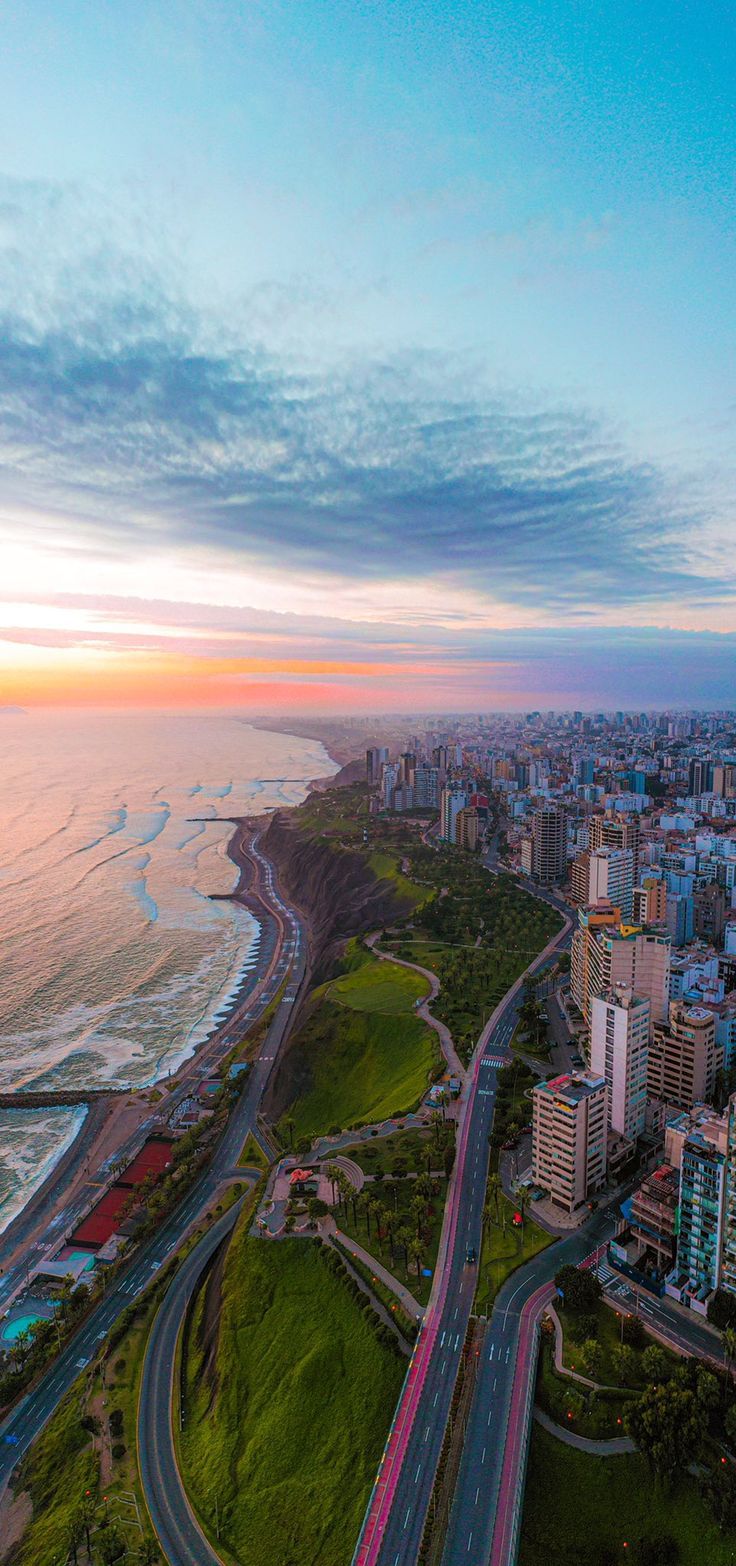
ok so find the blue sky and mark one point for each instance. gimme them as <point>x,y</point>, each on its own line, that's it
<point>376,315</point>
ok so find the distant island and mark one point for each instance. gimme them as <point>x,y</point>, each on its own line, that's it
<point>10,712</point>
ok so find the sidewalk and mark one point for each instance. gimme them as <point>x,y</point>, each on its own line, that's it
<point>444,1035</point>
<point>403,1295</point>
<point>617,1446</point>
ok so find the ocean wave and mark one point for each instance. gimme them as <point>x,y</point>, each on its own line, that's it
<point>117,822</point>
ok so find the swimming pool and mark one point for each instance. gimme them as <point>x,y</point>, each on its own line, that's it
<point>12,1329</point>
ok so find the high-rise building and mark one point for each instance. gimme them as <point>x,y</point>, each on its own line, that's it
<point>702,1192</point>
<point>549,845</point>
<point>612,831</point>
<point>728,1246</point>
<point>696,777</point>
<point>684,1057</point>
<point>619,1051</point>
<point>407,764</point>
<point>389,781</point>
<point>650,900</point>
<point>569,1137</point>
<point>454,799</point>
<point>375,757</point>
<point>709,912</point>
<point>467,828</point>
<point>606,952</point>
<point>611,876</point>
<point>427,787</point>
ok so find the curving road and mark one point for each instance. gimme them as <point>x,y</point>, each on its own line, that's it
<point>173,1519</point>
<point>392,1529</point>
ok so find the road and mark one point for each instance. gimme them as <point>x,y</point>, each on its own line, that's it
<point>24,1423</point>
<point>174,1522</point>
<point>393,1525</point>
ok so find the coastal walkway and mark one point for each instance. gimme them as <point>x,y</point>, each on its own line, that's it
<point>444,1035</point>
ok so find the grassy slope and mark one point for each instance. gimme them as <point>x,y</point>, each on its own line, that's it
<point>366,1061</point>
<point>306,1394</point>
<point>61,1467</point>
<point>388,868</point>
<point>502,1253</point>
<point>578,1507</point>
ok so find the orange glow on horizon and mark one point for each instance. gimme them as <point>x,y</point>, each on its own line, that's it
<point>92,679</point>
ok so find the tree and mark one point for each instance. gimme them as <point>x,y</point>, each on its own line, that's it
<point>316,1208</point>
<point>624,1363</point>
<point>333,1173</point>
<point>579,1287</point>
<point>668,1425</point>
<point>730,1423</point>
<point>75,1534</point>
<point>148,1551</point>
<point>289,1129</point>
<point>416,1251</point>
<point>729,1348</point>
<point>112,1545</point>
<point>720,1488</point>
<point>654,1363</point>
<point>494,1192</point>
<point>722,1309</point>
<point>592,1355</point>
<point>706,1389</point>
<point>521,1197</point>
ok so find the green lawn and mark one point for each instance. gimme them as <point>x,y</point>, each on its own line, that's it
<point>379,986</point>
<point>594,1414</point>
<point>252,1155</point>
<point>579,1510</point>
<point>388,868</point>
<point>502,1252</point>
<point>365,1055</point>
<point>290,1438</point>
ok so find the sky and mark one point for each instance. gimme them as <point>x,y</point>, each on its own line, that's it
<point>367,356</point>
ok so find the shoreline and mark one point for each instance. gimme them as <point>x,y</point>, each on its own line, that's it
<point>115,1113</point>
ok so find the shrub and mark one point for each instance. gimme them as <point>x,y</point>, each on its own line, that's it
<point>119,1449</point>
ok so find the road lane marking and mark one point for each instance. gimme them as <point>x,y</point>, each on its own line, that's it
<point>477,1493</point>
<point>470,1541</point>
<point>408,1515</point>
<point>483,1456</point>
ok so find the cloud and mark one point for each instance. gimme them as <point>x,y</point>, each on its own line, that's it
<point>148,428</point>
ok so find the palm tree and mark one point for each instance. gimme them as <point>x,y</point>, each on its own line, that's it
<point>289,1129</point>
<point>333,1173</point>
<point>416,1251</point>
<point>729,1348</point>
<point>521,1196</point>
<point>494,1192</point>
<point>404,1238</point>
<point>74,1535</point>
<point>148,1552</point>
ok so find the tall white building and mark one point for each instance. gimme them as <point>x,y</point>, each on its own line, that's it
<point>611,876</point>
<point>619,1051</point>
<point>454,799</point>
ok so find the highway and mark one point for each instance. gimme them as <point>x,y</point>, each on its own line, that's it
<point>394,1521</point>
<point>174,1522</point>
<point>28,1418</point>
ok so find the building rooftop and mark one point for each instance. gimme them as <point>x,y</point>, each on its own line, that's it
<point>573,1088</point>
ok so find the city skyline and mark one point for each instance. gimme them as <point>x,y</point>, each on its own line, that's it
<point>361,358</point>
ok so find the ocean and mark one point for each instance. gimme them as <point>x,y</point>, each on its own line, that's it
<point>114,960</point>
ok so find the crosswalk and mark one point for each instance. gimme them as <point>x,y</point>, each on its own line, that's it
<point>494,1060</point>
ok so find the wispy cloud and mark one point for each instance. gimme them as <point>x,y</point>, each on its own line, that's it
<point>152,429</point>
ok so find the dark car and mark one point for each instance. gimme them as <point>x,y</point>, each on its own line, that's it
<point>470,1256</point>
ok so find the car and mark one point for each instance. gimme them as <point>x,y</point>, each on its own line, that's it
<point>470,1256</point>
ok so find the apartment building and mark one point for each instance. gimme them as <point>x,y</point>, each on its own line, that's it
<point>684,1057</point>
<point>616,831</point>
<point>619,1051</point>
<point>650,900</point>
<point>549,845</point>
<point>569,1137</point>
<point>606,952</point>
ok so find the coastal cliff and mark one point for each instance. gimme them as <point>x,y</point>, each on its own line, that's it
<point>333,887</point>
<point>339,896</point>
